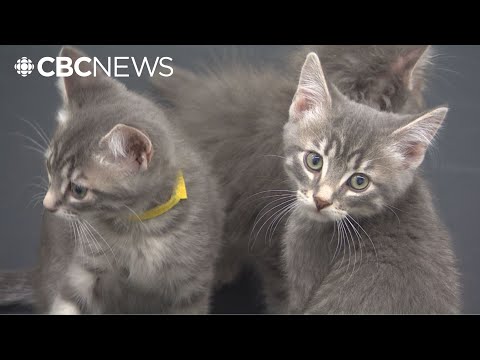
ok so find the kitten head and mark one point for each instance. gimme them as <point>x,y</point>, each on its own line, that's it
<point>103,157</point>
<point>387,77</point>
<point>348,158</point>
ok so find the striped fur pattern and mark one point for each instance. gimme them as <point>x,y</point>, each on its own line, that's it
<point>390,78</point>
<point>114,155</point>
<point>239,112</point>
<point>381,249</point>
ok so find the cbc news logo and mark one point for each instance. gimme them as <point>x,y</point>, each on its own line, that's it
<point>120,66</point>
<point>24,66</point>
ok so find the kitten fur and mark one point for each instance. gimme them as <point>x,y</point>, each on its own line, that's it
<point>381,250</point>
<point>238,113</point>
<point>94,256</point>
<point>390,78</point>
<point>16,288</point>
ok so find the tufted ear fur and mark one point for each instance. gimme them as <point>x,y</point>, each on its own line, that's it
<point>312,94</point>
<point>128,148</point>
<point>83,78</point>
<point>412,140</point>
<point>409,65</point>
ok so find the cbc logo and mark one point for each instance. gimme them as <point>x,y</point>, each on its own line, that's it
<point>24,66</point>
<point>63,66</point>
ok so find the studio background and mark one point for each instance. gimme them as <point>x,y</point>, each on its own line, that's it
<point>453,167</point>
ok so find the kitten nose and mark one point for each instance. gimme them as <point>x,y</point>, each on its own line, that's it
<point>49,202</point>
<point>320,203</point>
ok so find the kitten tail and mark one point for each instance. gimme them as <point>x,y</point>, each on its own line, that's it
<point>16,288</point>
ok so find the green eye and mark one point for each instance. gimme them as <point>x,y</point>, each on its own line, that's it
<point>314,161</point>
<point>78,191</point>
<point>358,182</point>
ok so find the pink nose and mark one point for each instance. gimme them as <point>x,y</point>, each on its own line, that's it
<point>50,202</point>
<point>320,203</point>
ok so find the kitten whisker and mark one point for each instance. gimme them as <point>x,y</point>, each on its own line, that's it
<point>393,211</point>
<point>272,227</point>
<point>338,242</point>
<point>85,238</point>
<point>134,213</point>
<point>42,186</point>
<point>258,217</point>
<point>286,214</point>
<point>105,241</point>
<point>343,242</point>
<point>374,248</point>
<point>333,234</point>
<point>450,71</point>
<point>347,240</point>
<point>284,203</point>
<point>38,129</point>
<point>359,244</point>
<point>265,191</point>
<point>35,149</point>
<point>37,202</point>
<point>36,198</point>
<point>77,239</point>
<point>39,194</point>
<point>272,223</point>
<point>99,248</point>
<point>284,196</point>
<point>359,237</point>
<point>354,250</point>
<point>393,207</point>
<point>33,141</point>
<point>41,178</point>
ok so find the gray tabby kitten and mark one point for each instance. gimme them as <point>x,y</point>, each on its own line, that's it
<point>113,156</point>
<point>238,113</point>
<point>364,236</point>
<point>388,78</point>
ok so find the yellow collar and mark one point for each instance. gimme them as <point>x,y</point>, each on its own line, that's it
<point>179,193</point>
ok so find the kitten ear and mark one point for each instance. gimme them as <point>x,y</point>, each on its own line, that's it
<point>312,92</point>
<point>409,65</point>
<point>128,147</point>
<point>83,77</point>
<point>68,85</point>
<point>412,140</point>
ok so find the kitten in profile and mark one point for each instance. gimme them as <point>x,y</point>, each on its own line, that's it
<point>134,218</point>
<point>364,236</point>
<point>237,112</point>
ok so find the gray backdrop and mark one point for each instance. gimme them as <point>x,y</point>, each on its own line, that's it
<point>453,167</point>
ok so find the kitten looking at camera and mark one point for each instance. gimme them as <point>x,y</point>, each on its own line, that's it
<point>238,111</point>
<point>364,236</point>
<point>134,220</point>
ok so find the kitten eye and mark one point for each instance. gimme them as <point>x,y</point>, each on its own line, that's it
<point>78,191</point>
<point>358,182</point>
<point>314,161</point>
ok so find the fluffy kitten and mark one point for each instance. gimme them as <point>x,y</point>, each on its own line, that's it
<point>113,156</point>
<point>238,113</point>
<point>388,77</point>
<point>365,237</point>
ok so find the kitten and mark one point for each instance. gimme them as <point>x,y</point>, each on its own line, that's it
<point>238,113</point>
<point>388,77</point>
<point>364,236</point>
<point>113,158</point>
